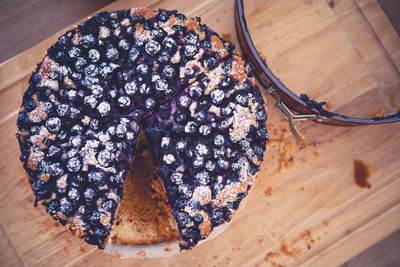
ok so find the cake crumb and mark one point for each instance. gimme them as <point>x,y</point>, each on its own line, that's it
<point>268,191</point>
<point>65,248</point>
<point>168,249</point>
<point>316,154</point>
<point>288,250</point>
<point>117,255</point>
<point>226,36</point>
<point>378,113</point>
<point>393,101</point>
<point>67,240</point>
<point>302,188</point>
<point>261,241</point>
<point>362,172</point>
<point>81,249</point>
<point>274,235</point>
<point>326,223</point>
<point>141,253</point>
<point>328,105</point>
<point>215,257</point>
<point>85,261</point>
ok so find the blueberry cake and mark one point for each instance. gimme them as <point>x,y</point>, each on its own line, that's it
<point>130,70</point>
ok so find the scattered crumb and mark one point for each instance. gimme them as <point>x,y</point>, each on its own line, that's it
<point>274,235</point>
<point>378,113</point>
<point>85,261</point>
<point>268,191</point>
<point>168,249</point>
<point>226,36</point>
<point>328,105</point>
<point>302,188</point>
<point>326,223</point>
<point>267,204</point>
<point>141,253</point>
<point>67,240</point>
<point>65,248</point>
<point>215,257</point>
<point>288,250</point>
<point>316,154</point>
<point>217,20</point>
<point>393,100</point>
<point>117,255</point>
<point>362,172</point>
<point>261,241</point>
<point>81,249</point>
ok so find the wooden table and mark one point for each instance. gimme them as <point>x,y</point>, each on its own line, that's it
<point>305,208</point>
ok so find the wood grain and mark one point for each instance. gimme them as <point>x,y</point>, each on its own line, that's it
<point>331,51</point>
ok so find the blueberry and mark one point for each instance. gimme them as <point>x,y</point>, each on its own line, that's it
<point>29,104</point>
<point>62,110</point>
<point>131,88</point>
<point>195,91</point>
<point>91,71</point>
<point>53,206</point>
<point>191,127</point>
<point>74,165</point>
<point>162,16</point>
<point>261,115</point>
<point>88,41</point>
<point>191,37</point>
<point>23,118</point>
<point>202,178</point>
<point>97,91</point>
<point>206,44</point>
<point>152,48</point>
<point>169,44</point>
<point>169,72</point>
<point>115,180</point>
<point>73,194</point>
<point>74,52</point>
<point>149,103</point>
<point>190,50</point>
<point>112,53</point>
<point>210,166</point>
<point>169,159</point>
<point>139,41</point>
<point>176,178</point>
<point>158,34</point>
<point>105,158</point>
<point>197,218</point>
<point>95,217</point>
<point>263,134</point>
<point>211,63</point>
<point>53,151</point>
<point>198,162</point>
<point>185,191</point>
<point>66,208</point>
<point>97,178</point>
<point>184,100</point>
<point>76,180</point>
<point>142,69</point>
<point>189,73</point>
<point>124,45</point>
<point>93,55</point>
<point>205,130</point>
<point>217,96</point>
<point>133,54</point>
<point>108,205</point>
<point>183,219</point>
<point>89,194</point>
<point>217,216</point>
<point>55,169</point>
<point>219,140</point>
<point>104,108</point>
<point>124,101</point>
<point>242,99</point>
<point>180,116</point>
<point>163,57</point>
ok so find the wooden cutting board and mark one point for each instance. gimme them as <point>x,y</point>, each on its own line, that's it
<point>305,208</point>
